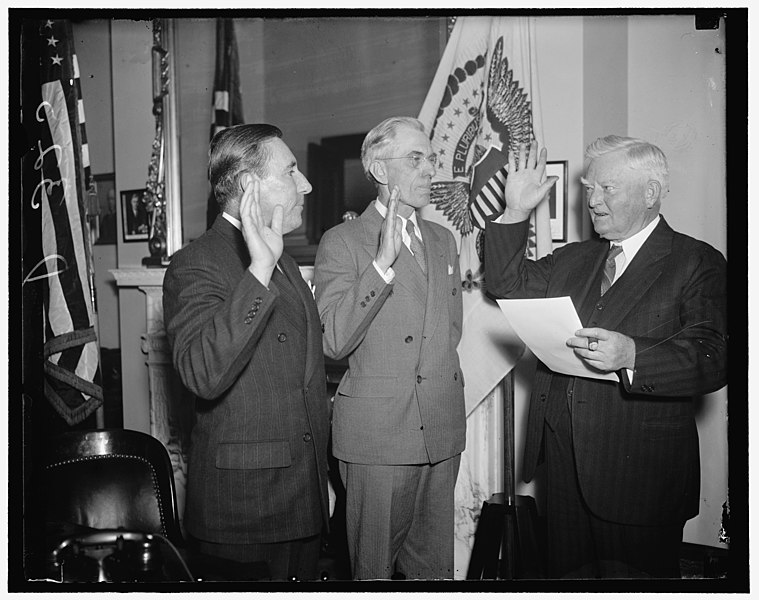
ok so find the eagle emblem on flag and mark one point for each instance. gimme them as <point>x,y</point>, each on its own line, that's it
<point>481,119</point>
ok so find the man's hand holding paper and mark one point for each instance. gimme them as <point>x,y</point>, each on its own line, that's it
<point>552,330</point>
<point>605,350</point>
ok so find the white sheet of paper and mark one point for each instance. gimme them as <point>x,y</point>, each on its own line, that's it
<point>545,325</point>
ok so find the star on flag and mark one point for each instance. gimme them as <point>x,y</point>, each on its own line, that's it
<point>51,41</point>
<point>57,60</point>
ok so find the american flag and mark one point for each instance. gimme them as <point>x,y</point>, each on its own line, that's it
<point>227,98</point>
<point>55,190</point>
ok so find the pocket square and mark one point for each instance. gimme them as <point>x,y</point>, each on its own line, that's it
<point>450,270</point>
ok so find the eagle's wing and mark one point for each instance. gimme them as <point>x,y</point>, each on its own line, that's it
<point>508,106</point>
<point>452,197</point>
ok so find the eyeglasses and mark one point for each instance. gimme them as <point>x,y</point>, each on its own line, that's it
<point>415,159</point>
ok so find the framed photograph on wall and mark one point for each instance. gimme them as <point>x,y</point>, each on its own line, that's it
<point>105,186</point>
<point>557,200</point>
<point>135,217</point>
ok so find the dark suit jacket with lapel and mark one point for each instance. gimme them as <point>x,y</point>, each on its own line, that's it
<point>636,444</point>
<point>402,399</point>
<point>253,357</point>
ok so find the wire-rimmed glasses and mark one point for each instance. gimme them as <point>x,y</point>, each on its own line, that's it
<point>415,159</point>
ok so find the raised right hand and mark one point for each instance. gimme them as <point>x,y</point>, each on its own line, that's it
<point>264,241</point>
<point>390,235</point>
<point>526,183</point>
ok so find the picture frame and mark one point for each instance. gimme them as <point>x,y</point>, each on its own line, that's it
<point>135,218</point>
<point>557,199</point>
<point>105,191</point>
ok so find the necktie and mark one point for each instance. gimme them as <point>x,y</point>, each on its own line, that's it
<point>610,268</point>
<point>417,248</point>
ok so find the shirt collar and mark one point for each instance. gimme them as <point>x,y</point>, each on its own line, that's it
<point>631,245</point>
<point>236,222</point>
<point>382,209</point>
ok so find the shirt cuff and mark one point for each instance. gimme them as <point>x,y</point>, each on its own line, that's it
<point>388,275</point>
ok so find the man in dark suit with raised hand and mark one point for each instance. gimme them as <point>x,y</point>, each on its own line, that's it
<point>246,340</point>
<point>621,458</point>
<point>388,291</point>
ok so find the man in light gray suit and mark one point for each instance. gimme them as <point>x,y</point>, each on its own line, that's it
<point>388,293</point>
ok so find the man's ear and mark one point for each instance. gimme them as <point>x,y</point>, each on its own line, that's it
<point>653,192</point>
<point>378,171</point>
<point>245,180</point>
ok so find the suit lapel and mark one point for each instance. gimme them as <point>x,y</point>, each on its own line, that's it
<point>289,292</point>
<point>232,236</point>
<point>407,271</point>
<point>302,302</point>
<point>642,272</point>
<point>437,291</point>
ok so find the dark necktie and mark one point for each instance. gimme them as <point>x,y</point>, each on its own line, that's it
<point>417,248</point>
<point>610,268</point>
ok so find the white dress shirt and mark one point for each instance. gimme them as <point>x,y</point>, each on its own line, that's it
<point>389,275</point>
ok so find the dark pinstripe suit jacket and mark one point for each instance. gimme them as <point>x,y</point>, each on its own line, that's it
<point>253,357</point>
<point>402,399</point>
<point>636,444</point>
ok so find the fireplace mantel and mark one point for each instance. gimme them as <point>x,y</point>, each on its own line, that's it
<point>171,412</point>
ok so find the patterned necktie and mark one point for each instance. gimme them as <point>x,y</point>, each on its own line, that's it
<point>610,268</point>
<point>417,248</point>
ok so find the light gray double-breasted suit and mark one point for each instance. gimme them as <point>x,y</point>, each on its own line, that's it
<point>401,401</point>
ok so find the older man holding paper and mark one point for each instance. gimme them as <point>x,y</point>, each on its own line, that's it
<point>621,457</point>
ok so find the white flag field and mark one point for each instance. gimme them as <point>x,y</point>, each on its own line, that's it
<point>482,104</point>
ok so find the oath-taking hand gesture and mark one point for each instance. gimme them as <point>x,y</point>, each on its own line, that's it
<point>264,240</point>
<point>390,235</point>
<point>526,183</point>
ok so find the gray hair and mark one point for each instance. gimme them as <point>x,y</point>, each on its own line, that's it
<point>642,156</point>
<point>381,137</point>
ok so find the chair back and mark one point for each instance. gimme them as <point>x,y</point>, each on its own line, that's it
<point>111,479</point>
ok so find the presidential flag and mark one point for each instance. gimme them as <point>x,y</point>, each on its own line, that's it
<point>227,97</point>
<point>56,182</point>
<point>481,106</point>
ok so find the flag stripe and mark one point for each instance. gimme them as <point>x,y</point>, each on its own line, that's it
<point>62,170</point>
<point>60,129</point>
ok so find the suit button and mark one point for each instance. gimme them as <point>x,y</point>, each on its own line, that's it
<point>371,293</point>
<point>322,327</point>
<point>367,298</point>
<point>282,337</point>
<point>258,300</point>
<point>307,437</point>
<point>419,379</point>
<point>421,428</point>
<point>599,306</point>
<point>542,397</point>
<point>248,320</point>
<point>363,304</point>
<point>455,376</point>
<point>453,291</point>
<point>409,339</point>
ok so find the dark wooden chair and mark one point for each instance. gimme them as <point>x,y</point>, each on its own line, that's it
<point>111,479</point>
<point>102,485</point>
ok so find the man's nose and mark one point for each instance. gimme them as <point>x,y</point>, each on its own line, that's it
<point>304,186</point>
<point>428,167</point>
<point>594,196</point>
